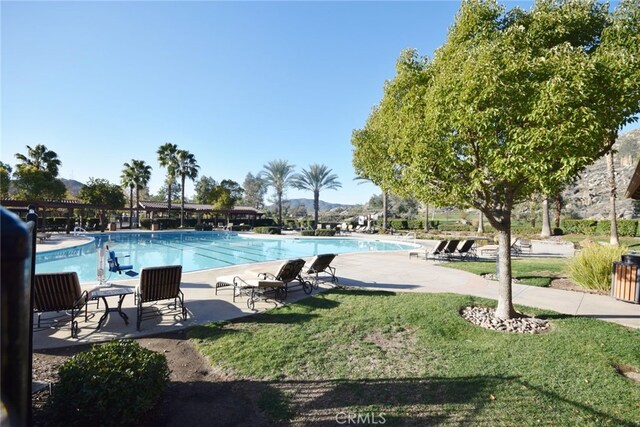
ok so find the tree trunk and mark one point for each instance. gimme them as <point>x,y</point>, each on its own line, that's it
<point>169,182</point>
<point>138,207</point>
<point>182,202</point>
<point>280,209</point>
<point>426,217</point>
<point>558,209</point>
<point>546,225</point>
<point>316,207</point>
<point>384,210</point>
<point>505,308</point>
<point>130,207</point>
<point>480,222</point>
<point>612,199</point>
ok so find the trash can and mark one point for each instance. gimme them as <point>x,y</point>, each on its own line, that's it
<point>625,280</point>
<point>112,226</point>
<point>155,227</point>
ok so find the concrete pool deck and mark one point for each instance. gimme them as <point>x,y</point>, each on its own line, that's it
<point>388,271</point>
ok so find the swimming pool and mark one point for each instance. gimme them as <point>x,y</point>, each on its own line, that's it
<point>199,250</point>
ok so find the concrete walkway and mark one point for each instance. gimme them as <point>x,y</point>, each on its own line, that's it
<point>389,271</point>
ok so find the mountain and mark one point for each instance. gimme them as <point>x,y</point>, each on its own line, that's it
<point>73,186</point>
<point>588,197</point>
<point>308,204</point>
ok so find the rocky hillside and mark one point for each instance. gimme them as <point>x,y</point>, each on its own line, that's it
<point>589,196</point>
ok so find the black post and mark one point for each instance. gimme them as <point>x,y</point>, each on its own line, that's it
<point>17,249</point>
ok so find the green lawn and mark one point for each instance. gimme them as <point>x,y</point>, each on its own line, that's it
<point>530,271</point>
<point>413,358</point>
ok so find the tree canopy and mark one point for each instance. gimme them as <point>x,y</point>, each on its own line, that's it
<point>510,105</point>
<point>102,192</point>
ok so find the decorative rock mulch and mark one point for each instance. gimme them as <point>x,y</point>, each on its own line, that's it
<point>485,317</point>
<point>491,276</point>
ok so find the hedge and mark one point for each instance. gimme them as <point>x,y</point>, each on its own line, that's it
<point>267,230</point>
<point>626,227</point>
<point>579,226</point>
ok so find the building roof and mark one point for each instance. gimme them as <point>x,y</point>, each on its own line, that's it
<point>633,192</point>
<point>53,204</point>
<point>201,207</point>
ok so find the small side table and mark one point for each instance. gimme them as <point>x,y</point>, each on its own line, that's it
<point>112,292</point>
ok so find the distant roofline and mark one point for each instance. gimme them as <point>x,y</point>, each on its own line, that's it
<point>200,207</point>
<point>633,192</point>
<point>54,204</point>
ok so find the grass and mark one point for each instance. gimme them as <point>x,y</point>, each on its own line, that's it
<point>529,271</point>
<point>412,358</point>
<point>631,242</point>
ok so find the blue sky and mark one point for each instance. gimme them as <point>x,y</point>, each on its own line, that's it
<point>236,84</point>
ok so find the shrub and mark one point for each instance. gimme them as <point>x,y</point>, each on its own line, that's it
<point>308,233</point>
<point>579,226</point>
<point>603,227</point>
<point>524,230</point>
<point>203,227</point>
<point>628,227</point>
<point>591,268</point>
<point>264,222</point>
<point>455,227</point>
<point>110,385</point>
<point>399,224</point>
<point>415,224</point>
<point>325,232</point>
<point>267,230</point>
<point>558,232</point>
<point>145,223</point>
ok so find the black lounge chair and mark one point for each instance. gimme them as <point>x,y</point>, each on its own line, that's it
<point>60,292</point>
<point>157,284</point>
<point>321,264</point>
<point>262,282</point>
<point>466,250</point>
<point>450,248</point>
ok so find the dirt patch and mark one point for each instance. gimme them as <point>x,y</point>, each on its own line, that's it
<point>628,372</point>
<point>198,394</point>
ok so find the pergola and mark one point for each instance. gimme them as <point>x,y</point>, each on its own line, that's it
<point>21,207</point>
<point>237,213</point>
<point>633,192</point>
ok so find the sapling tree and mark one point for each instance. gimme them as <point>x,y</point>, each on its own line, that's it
<point>509,106</point>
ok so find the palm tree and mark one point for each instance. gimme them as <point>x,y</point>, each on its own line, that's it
<point>167,159</point>
<point>41,159</point>
<point>317,178</point>
<point>128,179</point>
<point>278,174</point>
<point>135,175</point>
<point>186,167</point>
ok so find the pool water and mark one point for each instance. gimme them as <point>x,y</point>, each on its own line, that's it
<point>195,251</point>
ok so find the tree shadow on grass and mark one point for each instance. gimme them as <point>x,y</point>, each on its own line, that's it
<point>472,400</point>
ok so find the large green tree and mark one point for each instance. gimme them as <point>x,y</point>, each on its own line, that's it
<point>186,167</point>
<point>316,178</point>
<point>167,158</point>
<point>5,179</point>
<point>135,175</point>
<point>254,191</point>
<point>102,193</point>
<point>278,174</point>
<point>36,175</point>
<point>509,106</point>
